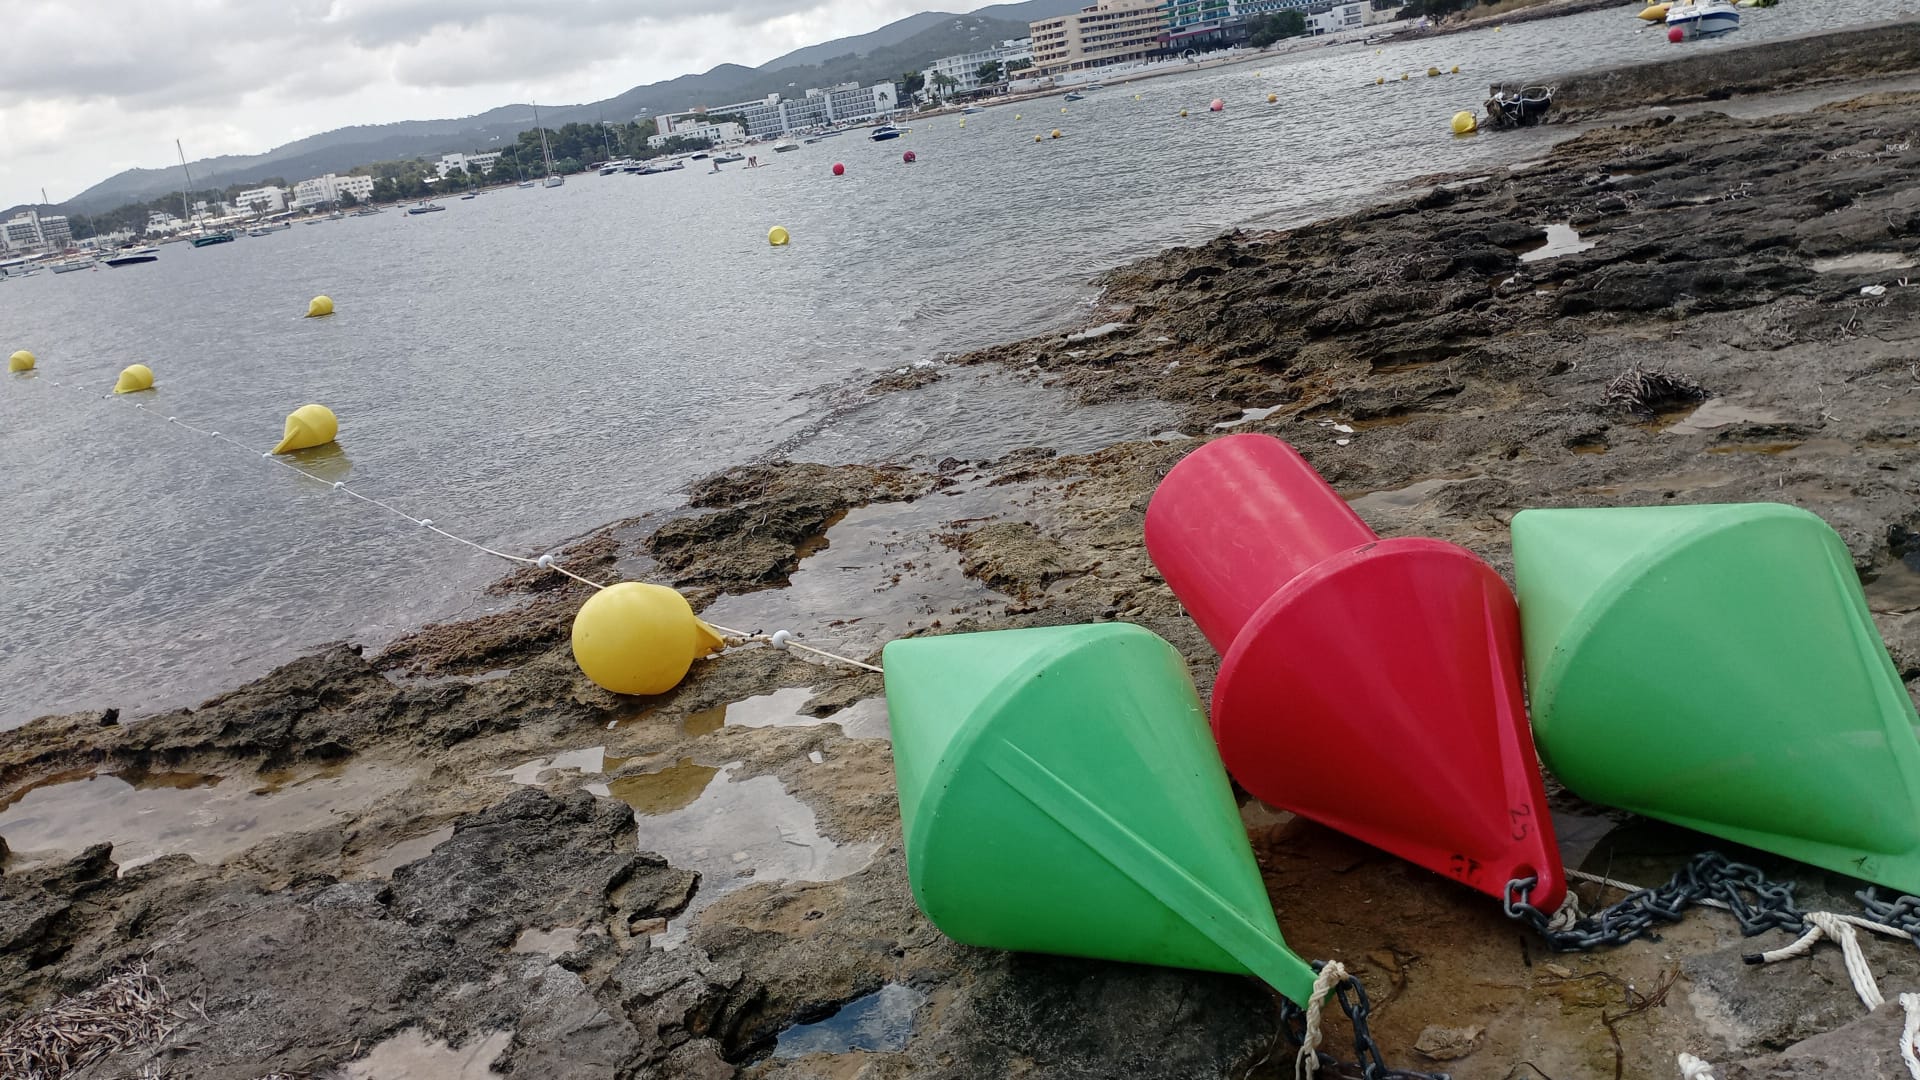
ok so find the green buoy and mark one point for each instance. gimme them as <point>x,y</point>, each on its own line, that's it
<point>1716,667</point>
<point>1060,793</point>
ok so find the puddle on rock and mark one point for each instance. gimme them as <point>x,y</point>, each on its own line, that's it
<point>1402,499</point>
<point>1895,589</point>
<point>593,761</point>
<point>865,719</point>
<point>880,1022</point>
<point>1717,413</point>
<point>212,818</point>
<point>1561,240</point>
<point>733,833</point>
<point>1769,449</point>
<point>883,573</point>
<point>415,1055</point>
<point>1862,262</point>
<point>407,851</point>
<point>1247,416</point>
<point>554,943</point>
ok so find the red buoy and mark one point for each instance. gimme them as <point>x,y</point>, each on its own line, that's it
<point>909,158</point>
<point>839,169</point>
<point>1217,105</point>
<point>1371,685</point>
<point>1676,35</point>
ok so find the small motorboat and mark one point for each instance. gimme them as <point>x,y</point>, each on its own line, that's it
<point>524,184</point>
<point>968,111</point>
<point>728,159</point>
<point>1075,97</point>
<point>1699,18</point>
<point>1522,108</point>
<point>783,147</point>
<point>133,256</point>
<point>614,166</point>
<point>68,266</point>
<point>553,181</point>
<point>223,236</point>
<point>885,132</point>
<point>425,208</point>
<point>468,195</point>
<point>365,211</point>
<point>262,230</point>
<point>701,156</point>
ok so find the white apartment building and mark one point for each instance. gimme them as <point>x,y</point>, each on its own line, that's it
<point>715,134</point>
<point>262,200</point>
<point>1351,16</point>
<point>466,163</point>
<point>56,233</point>
<point>847,103</point>
<point>327,190</point>
<point>964,68</point>
<point>20,234</point>
<point>1109,32</point>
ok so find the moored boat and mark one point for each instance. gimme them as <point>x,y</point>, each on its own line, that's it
<point>68,266</point>
<point>425,208</point>
<point>133,256</point>
<point>1698,18</point>
<point>885,132</point>
<point>783,147</point>
<point>223,236</point>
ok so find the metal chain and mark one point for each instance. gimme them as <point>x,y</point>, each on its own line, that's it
<point>1370,1064</point>
<point>1756,903</point>
<point>1901,913</point>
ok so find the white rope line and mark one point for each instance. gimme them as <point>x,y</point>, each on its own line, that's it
<point>1692,1068</point>
<point>1823,924</point>
<point>779,639</point>
<point>1307,1061</point>
<point>1910,1035</point>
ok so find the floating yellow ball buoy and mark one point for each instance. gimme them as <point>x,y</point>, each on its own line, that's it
<point>307,426</point>
<point>1433,73</point>
<point>963,122</point>
<point>1039,138</point>
<point>777,236</point>
<point>1016,116</point>
<point>1381,81</point>
<point>1271,98</point>
<point>634,638</point>
<point>134,377</point>
<point>1183,112</point>
<point>1465,123</point>
<point>319,307</point>
<point>1056,133</point>
<point>20,361</point>
<point>1403,76</point>
<point>1063,108</point>
<point>1454,70</point>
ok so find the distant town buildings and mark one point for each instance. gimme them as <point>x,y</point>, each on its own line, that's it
<point>1351,16</point>
<point>262,200</point>
<point>714,134</point>
<point>27,231</point>
<point>847,103</point>
<point>327,190</point>
<point>466,163</point>
<point>1109,32</point>
<point>964,68</point>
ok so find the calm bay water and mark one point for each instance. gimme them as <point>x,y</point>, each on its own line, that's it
<point>530,364</point>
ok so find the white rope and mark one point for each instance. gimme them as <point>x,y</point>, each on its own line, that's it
<point>779,639</point>
<point>1910,1035</point>
<point>1824,924</point>
<point>1692,1068</point>
<point>1307,1061</point>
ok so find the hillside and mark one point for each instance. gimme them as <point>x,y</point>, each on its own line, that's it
<point>903,45</point>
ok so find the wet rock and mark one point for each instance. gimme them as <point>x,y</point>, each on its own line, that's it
<point>1866,1047</point>
<point>1449,1044</point>
<point>1011,557</point>
<point>1753,1009</point>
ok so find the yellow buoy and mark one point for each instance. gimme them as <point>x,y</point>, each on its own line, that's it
<point>1403,76</point>
<point>1465,123</point>
<point>963,122</point>
<point>1381,81</point>
<point>20,361</point>
<point>1655,12</point>
<point>319,307</point>
<point>1016,116</point>
<point>1454,70</point>
<point>134,377</point>
<point>777,236</point>
<point>1056,133</point>
<point>634,638</point>
<point>1271,98</point>
<point>1183,112</point>
<point>1039,138</point>
<point>1136,97</point>
<point>1063,108</point>
<point>307,426</point>
<point>1433,72</point>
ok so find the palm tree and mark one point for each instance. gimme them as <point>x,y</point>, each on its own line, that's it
<point>989,72</point>
<point>945,82</point>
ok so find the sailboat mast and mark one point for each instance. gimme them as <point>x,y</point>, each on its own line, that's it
<point>185,210</point>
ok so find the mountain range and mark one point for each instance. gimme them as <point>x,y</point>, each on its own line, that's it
<point>902,45</point>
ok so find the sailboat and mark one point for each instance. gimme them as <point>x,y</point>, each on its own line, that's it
<point>205,239</point>
<point>553,179</point>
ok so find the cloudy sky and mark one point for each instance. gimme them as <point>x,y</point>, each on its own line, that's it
<point>90,87</point>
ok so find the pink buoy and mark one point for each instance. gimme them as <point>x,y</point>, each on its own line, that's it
<point>1217,105</point>
<point>1676,35</point>
<point>839,169</point>
<point>909,158</point>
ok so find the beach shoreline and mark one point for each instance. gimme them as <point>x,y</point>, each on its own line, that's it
<point>467,869</point>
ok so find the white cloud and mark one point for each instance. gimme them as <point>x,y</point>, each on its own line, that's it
<point>96,86</point>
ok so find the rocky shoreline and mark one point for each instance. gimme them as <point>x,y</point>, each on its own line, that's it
<point>460,858</point>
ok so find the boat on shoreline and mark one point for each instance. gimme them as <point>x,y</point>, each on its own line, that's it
<point>783,147</point>
<point>1701,18</point>
<point>68,266</point>
<point>133,256</point>
<point>425,208</point>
